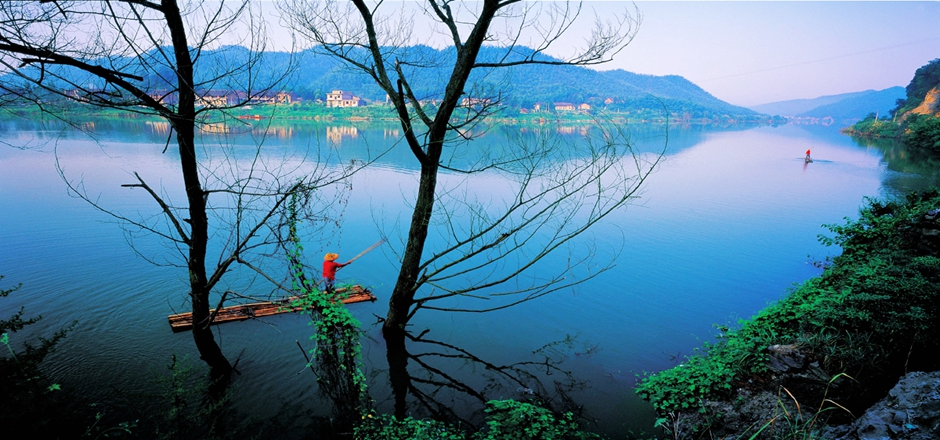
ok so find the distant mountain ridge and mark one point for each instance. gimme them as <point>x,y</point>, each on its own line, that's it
<point>519,87</point>
<point>525,85</point>
<point>855,105</point>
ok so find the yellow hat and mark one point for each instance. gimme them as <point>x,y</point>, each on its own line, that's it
<point>330,256</point>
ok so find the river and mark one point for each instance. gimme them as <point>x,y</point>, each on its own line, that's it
<point>726,224</point>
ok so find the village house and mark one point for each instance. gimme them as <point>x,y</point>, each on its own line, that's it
<point>339,98</point>
<point>564,107</point>
<point>474,102</point>
<point>218,98</point>
<point>584,107</point>
<point>273,98</point>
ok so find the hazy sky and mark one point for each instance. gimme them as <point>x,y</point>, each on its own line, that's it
<point>750,53</point>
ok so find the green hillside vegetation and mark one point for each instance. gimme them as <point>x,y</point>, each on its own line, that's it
<point>920,132</point>
<point>516,88</point>
<point>868,319</point>
<point>836,343</point>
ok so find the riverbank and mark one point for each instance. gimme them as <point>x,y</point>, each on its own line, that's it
<point>300,113</point>
<point>830,349</point>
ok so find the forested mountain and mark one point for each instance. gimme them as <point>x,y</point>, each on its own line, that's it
<point>844,106</point>
<point>524,86</point>
<point>519,87</point>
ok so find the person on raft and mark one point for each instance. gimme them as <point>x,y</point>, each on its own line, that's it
<point>330,266</point>
<point>807,158</point>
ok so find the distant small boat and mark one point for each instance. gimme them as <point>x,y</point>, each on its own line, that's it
<point>184,321</point>
<point>808,159</point>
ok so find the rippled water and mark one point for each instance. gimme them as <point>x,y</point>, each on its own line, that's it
<point>727,224</point>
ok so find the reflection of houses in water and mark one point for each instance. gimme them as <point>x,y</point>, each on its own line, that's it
<point>391,133</point>
<point>571,129</point>
<point>159,127</point>
<point>215,127</point>
<point>336,134</point>
<point>278,132</point>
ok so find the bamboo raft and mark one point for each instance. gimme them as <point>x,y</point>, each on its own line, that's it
<point>184,321</point>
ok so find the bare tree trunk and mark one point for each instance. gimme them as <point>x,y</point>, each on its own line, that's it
<point>185,125</point>
<point>403,295</point>
<point>344,32</point>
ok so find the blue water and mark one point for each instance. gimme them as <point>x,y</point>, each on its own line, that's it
<point>725,225</point>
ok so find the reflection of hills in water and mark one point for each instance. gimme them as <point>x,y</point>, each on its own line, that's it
<point>367,140</point>
<point>909,172</point>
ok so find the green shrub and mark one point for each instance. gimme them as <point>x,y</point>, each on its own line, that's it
<point>505,420</point>
<point>871,315</point>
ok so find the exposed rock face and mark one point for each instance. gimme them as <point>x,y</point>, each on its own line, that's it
<point>931,104</point>
<point>788,361</point>
<point>910,412</point>
<point>929,229</point>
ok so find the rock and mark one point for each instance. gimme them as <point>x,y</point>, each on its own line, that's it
<point>785,359</point>
<point>911,411</point>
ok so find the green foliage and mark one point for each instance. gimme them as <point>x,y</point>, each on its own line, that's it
<point>870,127</point>
<point>387,427</point>
<point>336,353</point>
<point>513,420</point>
<point>920,132</point>
<point>188,407</point>
<point>505,420</point>
<point>872,314</point>
<point>31,404</point>
<point>925,78</point>
<point>923,136</point>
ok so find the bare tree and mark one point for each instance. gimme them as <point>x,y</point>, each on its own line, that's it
<point>166,59</point>
<point>560,191</point>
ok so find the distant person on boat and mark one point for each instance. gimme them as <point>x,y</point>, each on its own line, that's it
<point>808,158</point>
<point>330,266</point>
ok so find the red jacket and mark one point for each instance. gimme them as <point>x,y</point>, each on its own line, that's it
<point>329,269</point>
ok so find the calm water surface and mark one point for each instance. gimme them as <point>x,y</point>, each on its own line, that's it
<point>726,225</point>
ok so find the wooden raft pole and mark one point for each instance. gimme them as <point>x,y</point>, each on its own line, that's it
<point>184,321</point>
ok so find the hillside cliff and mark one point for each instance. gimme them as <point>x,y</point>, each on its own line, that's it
<point>915,121</point>
<point>930,105</point>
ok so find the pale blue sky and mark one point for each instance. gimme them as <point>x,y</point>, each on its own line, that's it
<point>750,53</point>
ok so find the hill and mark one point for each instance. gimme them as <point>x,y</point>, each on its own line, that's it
<point>526,85</point>
<point>916,119</point>
<point>518,87</point>
<point>855,105</point>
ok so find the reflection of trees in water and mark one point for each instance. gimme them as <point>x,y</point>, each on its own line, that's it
<point>912,172</point>
<point>428,379</point>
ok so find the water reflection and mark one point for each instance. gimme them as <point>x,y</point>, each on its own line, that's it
<point>336,134</point>
<point>725,227</point>
<point>427,376</point>
<point>909,172</point>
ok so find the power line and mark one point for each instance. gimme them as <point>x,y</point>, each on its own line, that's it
<point>911,43</point>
